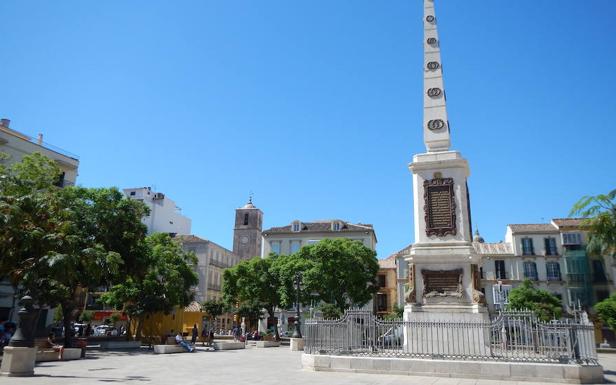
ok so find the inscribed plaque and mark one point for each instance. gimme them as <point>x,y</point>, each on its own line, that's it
<point>439,207</point>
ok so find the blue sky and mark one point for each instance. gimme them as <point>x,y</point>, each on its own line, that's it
<point>316,106</point>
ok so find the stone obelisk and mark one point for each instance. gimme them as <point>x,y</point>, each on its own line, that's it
<point>443,266</point>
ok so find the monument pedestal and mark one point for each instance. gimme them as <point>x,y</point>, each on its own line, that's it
<point>18,361</point>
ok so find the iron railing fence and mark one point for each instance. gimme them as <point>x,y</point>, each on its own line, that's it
<point>510,336</point>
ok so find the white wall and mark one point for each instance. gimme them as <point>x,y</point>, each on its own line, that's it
<point>165,216</point>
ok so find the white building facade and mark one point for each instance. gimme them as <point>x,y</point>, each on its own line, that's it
<point>17,145</point>
<point>165,216</point>
<point>552,255</point>
<point>289,239</point>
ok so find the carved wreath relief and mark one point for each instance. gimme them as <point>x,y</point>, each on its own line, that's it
<point>433,65</point>
<point>434,92</point>
<point>439,207</point>
<point>436,124</point>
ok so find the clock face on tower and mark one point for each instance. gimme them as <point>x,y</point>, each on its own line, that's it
<point>244,240</point>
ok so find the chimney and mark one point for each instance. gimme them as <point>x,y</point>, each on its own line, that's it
<point>40,139</point>
<point>5,122</point>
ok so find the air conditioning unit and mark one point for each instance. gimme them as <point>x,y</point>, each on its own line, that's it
<point>158,196</point>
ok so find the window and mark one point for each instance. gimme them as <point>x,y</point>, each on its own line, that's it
<point>60,180</point>
<point>246,219</point>
<point>550,246</point>
<point>295,227</point>
<point>275,246</point>
<point>499,267</point>
<point>598,273</point>
<point>336,226</point>
<point>295,246</point>
<point>572,239</point>
<point>530,270</point>
<point>553,271</point>
<point>132,193</point>
<point>527,246</point>
<point>381,302</point>
<point>381,280</point>
<point>500,293</point>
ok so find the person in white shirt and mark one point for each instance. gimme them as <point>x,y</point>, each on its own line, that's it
<point>180,341</point>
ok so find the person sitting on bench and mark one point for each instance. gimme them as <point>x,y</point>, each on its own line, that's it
<point>54,346</point>
<point>180,341</point>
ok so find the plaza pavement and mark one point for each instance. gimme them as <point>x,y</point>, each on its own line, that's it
<point>232,367</point>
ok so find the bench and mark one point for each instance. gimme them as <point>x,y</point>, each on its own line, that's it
<point>120,344</point>
<point>267,344</point>
<point>48,354</point>
<point>167,349</point>
<point>228,345</point>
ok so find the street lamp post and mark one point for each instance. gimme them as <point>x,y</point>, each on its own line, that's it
<point>297,333</point>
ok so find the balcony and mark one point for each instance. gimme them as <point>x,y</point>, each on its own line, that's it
<point>531,276</point>
<point>217,263</point>
<point>577,277</point>
<point>575,253</point>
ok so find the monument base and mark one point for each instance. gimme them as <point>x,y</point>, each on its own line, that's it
<point>297,344</point>
<point>446,312</point>
<point>18,362</point>
<point>495,370</point>
<point>440,329</point>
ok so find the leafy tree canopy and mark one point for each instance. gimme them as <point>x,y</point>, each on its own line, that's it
<point>254,282</point>
<point>166,282</point>
<point>337,271</point>
<point>544,304</point>
<point>214,308</point>
<point>600,222</point>
<point>606,310</point>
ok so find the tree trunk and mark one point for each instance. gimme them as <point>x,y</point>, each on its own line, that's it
<point>129,334</point>
<point>67,313</point>
<point>139,322</point>
<point>270,310</point>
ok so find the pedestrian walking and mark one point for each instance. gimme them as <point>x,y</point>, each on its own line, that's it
<point>195,334</point>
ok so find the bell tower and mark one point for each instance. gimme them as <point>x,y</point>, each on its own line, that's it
<point>247,231</point>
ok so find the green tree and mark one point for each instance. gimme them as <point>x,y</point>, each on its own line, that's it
<point>330,311</point>
<point>214,308</point>
<point>337,271</point>
<point>166,282</point>
<point>397,313</point>
<point>57,244</point>
<point>86,316</point>
<point>599,213</point>
<point>253,281</point>
<point>544,304</point>
<point>606,310</point>
<point>77,263</point>
<point>29,220</point>
<point>251,311</point>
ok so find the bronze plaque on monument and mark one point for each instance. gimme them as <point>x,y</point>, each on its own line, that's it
<point>439,207</point>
